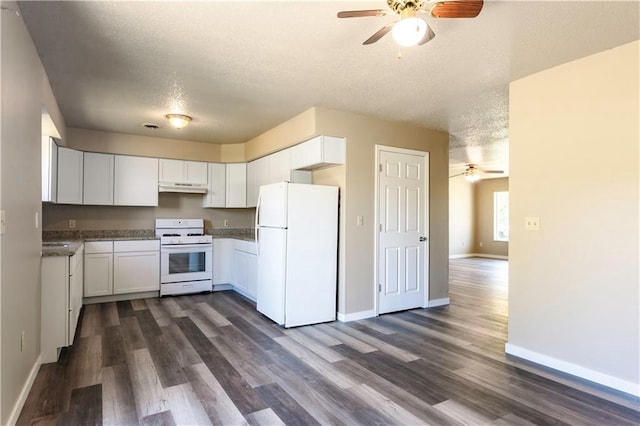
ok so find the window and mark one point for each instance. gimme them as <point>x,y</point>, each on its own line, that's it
<point>501,216</point>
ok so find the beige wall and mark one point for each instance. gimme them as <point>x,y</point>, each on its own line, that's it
<point>362,134</point>
<point>170,205</point>
<point>20,198</point>
<point>461,216</point>
<point>232,153</point>
<point>483,207</point>
<point>121,143</point>
<point>50,105</point>
<point>574,160</point>
<point>291,132</point>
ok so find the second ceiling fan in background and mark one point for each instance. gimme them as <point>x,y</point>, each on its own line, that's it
<point>410,29</point>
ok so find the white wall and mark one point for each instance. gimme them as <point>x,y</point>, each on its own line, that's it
<point>461,216</point>
<point>574,157</point>
<point>20,198</point>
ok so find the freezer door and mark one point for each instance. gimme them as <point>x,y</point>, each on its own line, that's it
<point>272,206</point>
<point>272,247</point>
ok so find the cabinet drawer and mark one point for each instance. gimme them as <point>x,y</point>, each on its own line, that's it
<point>91,247</point>
<point>246,246</point>
<point>136,245</point>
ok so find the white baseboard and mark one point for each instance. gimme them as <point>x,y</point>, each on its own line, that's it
<point>22,398</point>
<point>356,315</point>
<point>438,302</point>
<point>487,256</point>
<point>574,369</point>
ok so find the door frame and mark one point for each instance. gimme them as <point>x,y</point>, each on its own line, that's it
<point>376,245</point>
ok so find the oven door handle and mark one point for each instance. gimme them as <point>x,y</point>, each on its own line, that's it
<point>182,247</point>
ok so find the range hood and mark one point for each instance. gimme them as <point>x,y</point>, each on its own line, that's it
<point>194,188</point>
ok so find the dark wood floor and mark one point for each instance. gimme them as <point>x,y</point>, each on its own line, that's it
<point>212,358</point>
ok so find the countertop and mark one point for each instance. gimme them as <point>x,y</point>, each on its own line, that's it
<point>61,248</point>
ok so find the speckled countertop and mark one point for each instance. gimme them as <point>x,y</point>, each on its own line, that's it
<point>66,242</point>
<point>60,248</point>
<point>245,234</point>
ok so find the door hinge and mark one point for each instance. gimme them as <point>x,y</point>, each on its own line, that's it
<point>380,167</point>
<point>380,227</point>
<point>379,288</point>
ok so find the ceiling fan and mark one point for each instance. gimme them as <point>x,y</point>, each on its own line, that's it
<point>410,30</point>
<point>472,172</point>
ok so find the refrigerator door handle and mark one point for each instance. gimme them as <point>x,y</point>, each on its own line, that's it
<point>256,226</point>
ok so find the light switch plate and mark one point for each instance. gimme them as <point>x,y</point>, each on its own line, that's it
<point>532,223</point>
<point>359,220</point>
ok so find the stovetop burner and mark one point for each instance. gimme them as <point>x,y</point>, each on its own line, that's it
<point>170,235</point>
<point>195,235</point>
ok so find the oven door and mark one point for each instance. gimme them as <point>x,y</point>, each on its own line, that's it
<point>188,262</point>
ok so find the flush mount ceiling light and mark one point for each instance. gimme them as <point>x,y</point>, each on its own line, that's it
<point>178,120</point>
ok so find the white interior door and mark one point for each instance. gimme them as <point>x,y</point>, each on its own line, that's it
<point>403,232</point>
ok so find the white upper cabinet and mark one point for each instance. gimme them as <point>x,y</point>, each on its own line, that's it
<point>195,172</point>
<point>170,170</point>
<point>236,185</point>
<point>49,169</point>
<point>98,179</point>
<point>279,167</point>
<point>321,151</point>
<point>136,181</point>
<point>180,171</point>
<point>70,173</point>
<point>216,186</point>
<point>257,175</point>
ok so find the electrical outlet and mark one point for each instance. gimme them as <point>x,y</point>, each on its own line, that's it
<point>37,220</point>
<point>359,220</point>
<point>72,223</point>
<point>226,222</point>
<point>22,341</point>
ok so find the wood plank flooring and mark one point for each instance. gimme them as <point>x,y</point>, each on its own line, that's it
<point>213,359</point>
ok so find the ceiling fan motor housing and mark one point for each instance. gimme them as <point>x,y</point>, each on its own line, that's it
<point>400,6</point>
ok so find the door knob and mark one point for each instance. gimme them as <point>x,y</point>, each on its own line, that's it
<point>423,239</point>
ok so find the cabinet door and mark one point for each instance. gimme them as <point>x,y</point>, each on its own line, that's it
<point>216,186</point>
<point>49,169</point>
<point>279,168</point>
<point>252,275</point>
<point>252,191</point>
<point>195,172</point>
<point>98,179</point>
<point>240,265</point>
<point>236,185</point>
<point>76,281</point>
<point>222,260</point>
<point>136,181</point>
<point>170,170</point>
<point>136,271</point>
<point>69,176</point>
<point>98,274</point>
<point>260,177</point>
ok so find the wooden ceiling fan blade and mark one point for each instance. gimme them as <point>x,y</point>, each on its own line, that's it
<point>428,36</point>
<point>379,34</point>
<point>457,9</point>
<point>361,13</point>
<point>459,174</point>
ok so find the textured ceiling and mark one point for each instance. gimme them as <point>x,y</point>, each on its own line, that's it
<point>240,68</point>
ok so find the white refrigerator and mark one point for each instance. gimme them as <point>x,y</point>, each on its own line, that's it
<point>297,235</point>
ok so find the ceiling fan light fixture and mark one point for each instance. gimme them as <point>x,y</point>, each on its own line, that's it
<point>178,121</point>
<point>409,31</point>
<point>471,176</point>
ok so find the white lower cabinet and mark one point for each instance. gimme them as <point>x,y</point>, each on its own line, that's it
<point>98,268</point>
<point>136,266</point>
<point>62,278</point>
<point>222,259</point>
<point>245,267</point>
